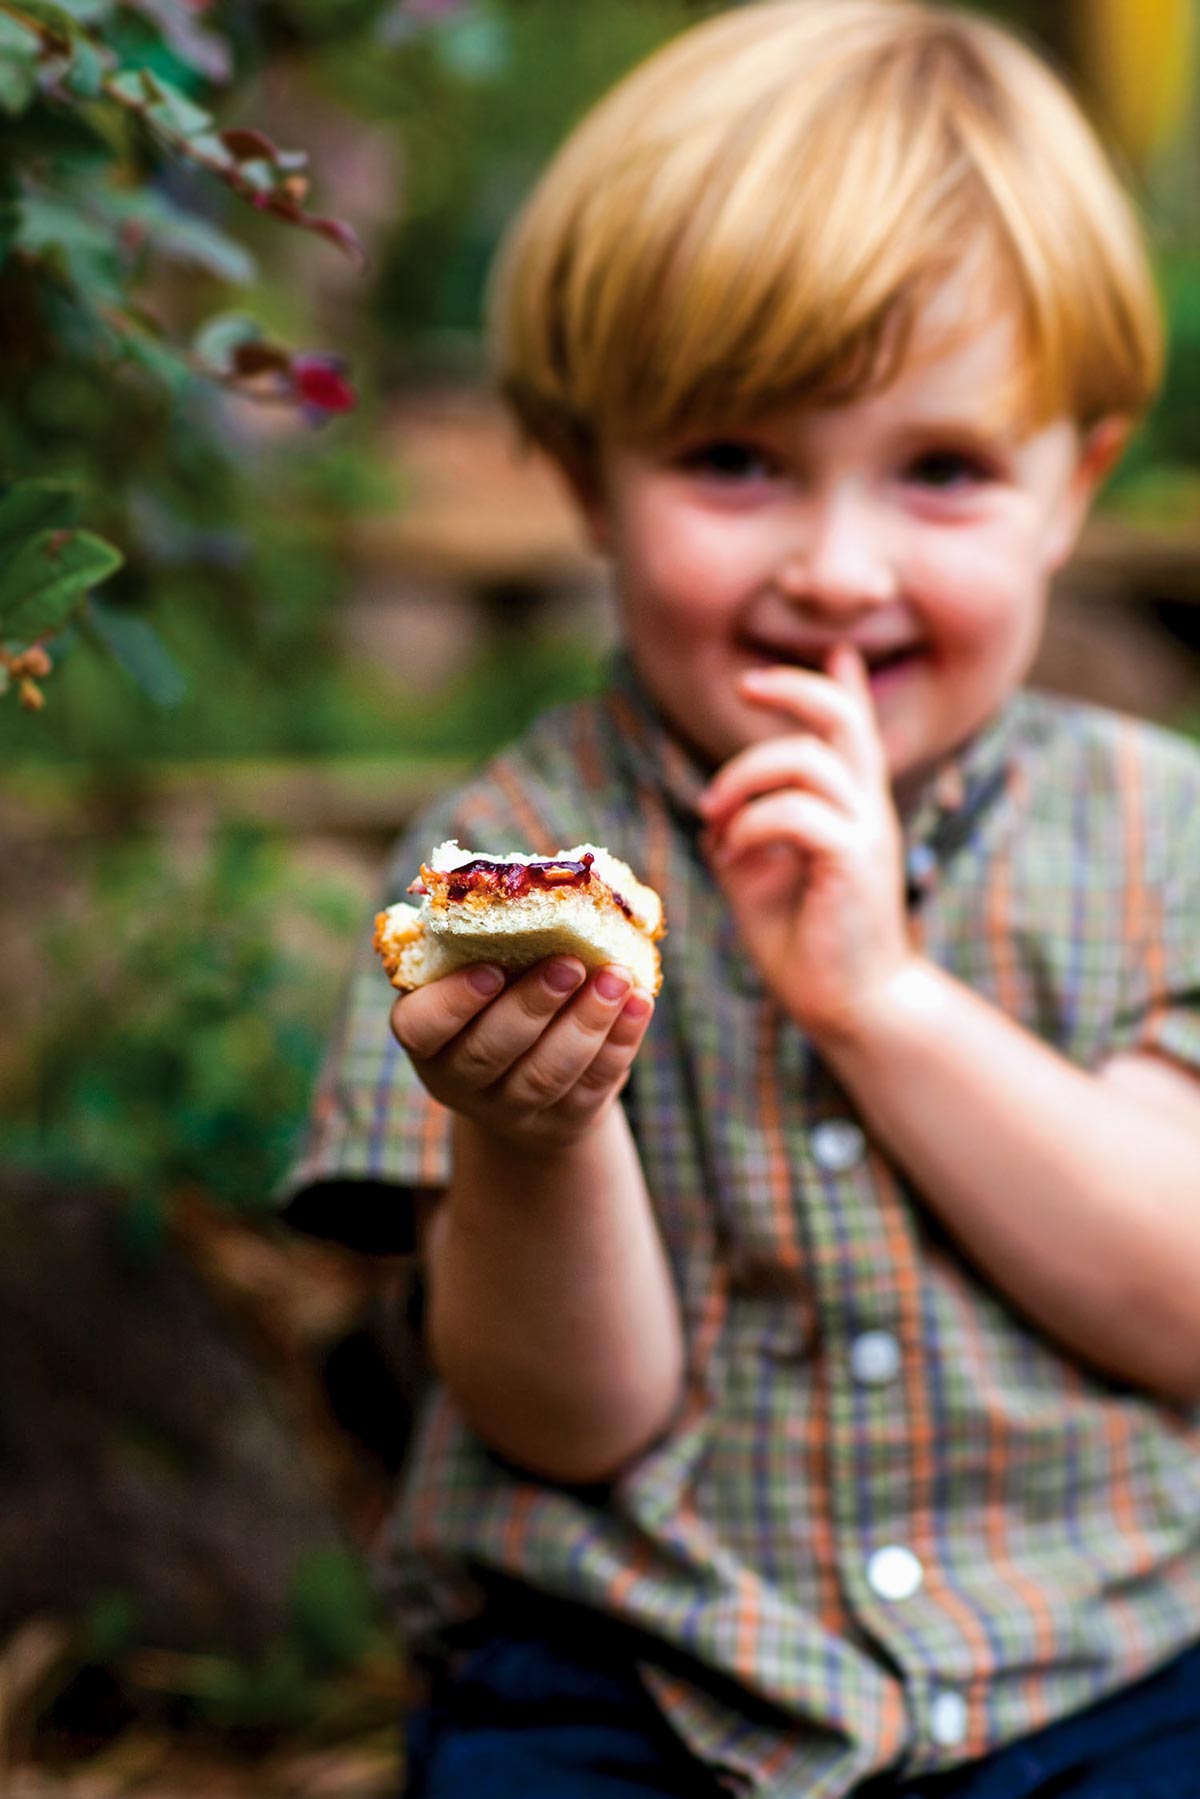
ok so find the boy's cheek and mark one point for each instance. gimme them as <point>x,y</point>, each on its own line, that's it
<point>677,550</point>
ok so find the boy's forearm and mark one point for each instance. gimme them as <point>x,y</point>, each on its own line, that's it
<point>1079,1202</point>
<point>553,1320</point>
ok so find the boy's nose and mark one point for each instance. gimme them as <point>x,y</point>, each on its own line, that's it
<point>837,559</point>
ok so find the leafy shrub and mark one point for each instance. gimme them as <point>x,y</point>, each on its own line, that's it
<point>101,406</point>
<point>189,1011</point>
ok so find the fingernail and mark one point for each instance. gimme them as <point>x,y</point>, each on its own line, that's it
<point>611,983</point>
<point>485,980</point>
<point>638,1006</point>
<point>561,977</point>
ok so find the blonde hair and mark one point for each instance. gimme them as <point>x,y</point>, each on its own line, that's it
<point>758,213</point>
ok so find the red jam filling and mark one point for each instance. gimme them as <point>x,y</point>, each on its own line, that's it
<point>513,880</point>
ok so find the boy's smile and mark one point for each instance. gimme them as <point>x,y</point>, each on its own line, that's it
<point>906,523</point>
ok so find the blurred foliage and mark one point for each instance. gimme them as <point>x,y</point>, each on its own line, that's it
<point>334,1626</point>
<point>335,1671</point>
<point>478,129</point>
<point>1159,480</point>
<point>115,179</point>
<point>189,1011</point>
<point>97,397</point>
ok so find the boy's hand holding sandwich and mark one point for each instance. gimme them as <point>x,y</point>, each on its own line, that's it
<point>536,1063</point>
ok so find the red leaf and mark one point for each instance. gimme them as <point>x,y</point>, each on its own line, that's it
<point>244,142</point>
<point>341,234</point>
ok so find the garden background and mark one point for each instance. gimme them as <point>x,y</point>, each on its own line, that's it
<point>271,571</point>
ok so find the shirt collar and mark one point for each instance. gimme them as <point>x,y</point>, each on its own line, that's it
<point>946,816</point>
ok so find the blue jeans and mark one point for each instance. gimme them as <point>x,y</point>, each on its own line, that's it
<point>550,1709</point>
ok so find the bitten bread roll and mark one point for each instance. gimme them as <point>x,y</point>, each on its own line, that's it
<point>514,910</point>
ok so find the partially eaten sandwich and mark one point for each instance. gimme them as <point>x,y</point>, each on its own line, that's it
<point>514,910</point>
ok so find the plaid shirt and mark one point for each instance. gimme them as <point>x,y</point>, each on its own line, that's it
<point>893,1523</point>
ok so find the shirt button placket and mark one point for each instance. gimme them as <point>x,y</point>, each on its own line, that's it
<point>874,1358</point>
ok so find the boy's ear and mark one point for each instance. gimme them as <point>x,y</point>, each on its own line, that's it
<point>1100,451</point>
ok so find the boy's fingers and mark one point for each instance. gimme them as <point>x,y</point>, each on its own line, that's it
<point>781,762</point>
<point>488,1047</point>
<point>426,1020</point>
<point>571,1044</point>
<point>622,1043</point>
<point>609,1068</point>
<point>833,708</point>
<point>798,820</point>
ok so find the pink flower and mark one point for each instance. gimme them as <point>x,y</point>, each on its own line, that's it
<point>320,381</point>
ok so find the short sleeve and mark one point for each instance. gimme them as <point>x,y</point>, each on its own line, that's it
<point>374,1136</point>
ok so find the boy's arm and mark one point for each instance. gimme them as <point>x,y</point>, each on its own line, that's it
<point>552,1316</point>
<point>1077,1193</point>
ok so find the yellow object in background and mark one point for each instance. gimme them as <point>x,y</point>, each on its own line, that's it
<point>1139,58</point>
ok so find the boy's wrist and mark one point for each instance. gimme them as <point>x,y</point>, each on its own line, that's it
<point>494,1168</point>
<point>896,1013</point>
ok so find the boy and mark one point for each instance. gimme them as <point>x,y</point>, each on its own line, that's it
<point>819,1345</point>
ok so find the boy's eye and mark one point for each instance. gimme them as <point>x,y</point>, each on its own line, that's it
<point>728,459</point>
<point>948,471</point>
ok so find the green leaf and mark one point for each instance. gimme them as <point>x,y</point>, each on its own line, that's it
<point>67,14</point>
<point>47,579</point>
<point>19,52</point>
<point>209,145</point>
<point>203,52</point>
<point>257,173</point>
<point>44,504</point>
<point>218,339</point>
<point>160,360</point>
<point>172,108</point>
<point>186,237</point>
<point>161,102</point>
<point>85,77</point>
<point>140,651</point>
<point>56,228</point>
<point>129,85</point>
<point>332,1607</point>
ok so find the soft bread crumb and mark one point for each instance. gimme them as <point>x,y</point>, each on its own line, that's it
<point>643,901</point>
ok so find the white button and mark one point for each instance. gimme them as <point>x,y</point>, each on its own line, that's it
<point>837,1144</point>
<point>875,1358</point>
<point>894,1572</point>
<point>948,1719</point>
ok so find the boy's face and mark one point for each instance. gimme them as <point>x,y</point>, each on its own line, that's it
<point>904,523</point>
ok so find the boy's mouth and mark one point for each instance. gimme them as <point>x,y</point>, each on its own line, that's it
<point>879,659</point>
